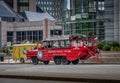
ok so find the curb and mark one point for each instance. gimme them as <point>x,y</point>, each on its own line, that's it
<point>60,79</point>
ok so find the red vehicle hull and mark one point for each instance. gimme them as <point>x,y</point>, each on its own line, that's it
<point>75,52</point>
<point>71,53</point>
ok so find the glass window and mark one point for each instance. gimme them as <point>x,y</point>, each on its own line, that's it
<point>23,0</point>
<point>92,6</point>
<point>19,36</point>
<point>44,2</point>
<point>23,8</point>
<point>55,32</point>
<point>31,36</point>
<point>9,36</point>
<point>50,8</point>
<point>101,5</point>
<point>47,8</point>
<point>50,3</point>
<point>23,35</point>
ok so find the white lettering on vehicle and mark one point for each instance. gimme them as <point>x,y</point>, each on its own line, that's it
<point>59,51</point>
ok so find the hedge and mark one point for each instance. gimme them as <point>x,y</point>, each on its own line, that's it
<point>109,46</point>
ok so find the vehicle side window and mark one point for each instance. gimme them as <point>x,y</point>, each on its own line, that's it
<point>67,43</point>
<point>56,44</point>
<point>62,44</point>
<point>74,43</point>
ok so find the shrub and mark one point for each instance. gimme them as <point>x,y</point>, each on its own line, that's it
<point>112,49</point>
<point>101,45</point>
<point>116,49</point>
<point>106,47</point>
<point>114,44</point>
<point>109,46</point>
<point>23,42</point>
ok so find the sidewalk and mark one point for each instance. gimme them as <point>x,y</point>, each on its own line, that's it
<point>107,58</point>
<point>9,60</point>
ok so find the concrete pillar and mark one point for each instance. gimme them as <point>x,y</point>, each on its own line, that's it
<point>14,32</point>
<point>119,23</point>
<point>46,28</point>
<point>116,20</point>
<point>3,33</point>
<point>32,5</point>
<point>15,5</point>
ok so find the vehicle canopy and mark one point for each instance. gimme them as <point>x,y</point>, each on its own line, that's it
<point>57,41</point>
<point>70,40</point>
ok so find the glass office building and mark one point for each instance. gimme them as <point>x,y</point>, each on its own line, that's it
<point>53,7</point>
<point>20,6</point>
<point>23,5</point>
<point>92,16</point>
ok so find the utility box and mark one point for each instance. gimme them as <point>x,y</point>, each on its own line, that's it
<point>19,51</point>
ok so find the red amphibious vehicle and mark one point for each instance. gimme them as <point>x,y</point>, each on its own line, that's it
<point>65,50</point>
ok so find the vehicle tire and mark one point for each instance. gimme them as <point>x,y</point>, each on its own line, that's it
<point>22,60</point>
<point>34,60</point>
<point>57,60</point>
<point>46,62</point>
<point>64,61</point>
<point>75,62</point>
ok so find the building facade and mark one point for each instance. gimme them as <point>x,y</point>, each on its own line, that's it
<point>20,6</point>
<point>17,30</point>
<point>53,7</point>
<point>6,14</point>
<point>31,31</point>
<point>100,17</point>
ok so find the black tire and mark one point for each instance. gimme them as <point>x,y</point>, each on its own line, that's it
<point>57,60</point>
<point>75,62</point>
<point>22,60</point>
<point>46,62</point>
<point>34,60</point>
<point>64,61</point>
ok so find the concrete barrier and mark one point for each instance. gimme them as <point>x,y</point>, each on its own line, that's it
<point>108,57</point>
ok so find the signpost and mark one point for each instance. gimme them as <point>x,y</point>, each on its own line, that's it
<point>8,45</point>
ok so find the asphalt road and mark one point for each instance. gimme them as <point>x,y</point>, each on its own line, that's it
<point>75,72</point>
<point>4,80</point>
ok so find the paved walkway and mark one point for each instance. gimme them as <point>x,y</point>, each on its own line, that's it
<point>107,57</point>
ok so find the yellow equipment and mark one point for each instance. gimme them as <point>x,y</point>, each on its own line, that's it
<point>19,51</point>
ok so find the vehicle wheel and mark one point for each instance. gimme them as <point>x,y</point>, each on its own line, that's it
<point>65,61</point>
<point>57,60</point>
<point>75,62</point>
<point>22,60</point>
<point>46,62</point>
<point>34,60</point>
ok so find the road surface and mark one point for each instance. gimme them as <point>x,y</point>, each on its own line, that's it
<point>65,72</point>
